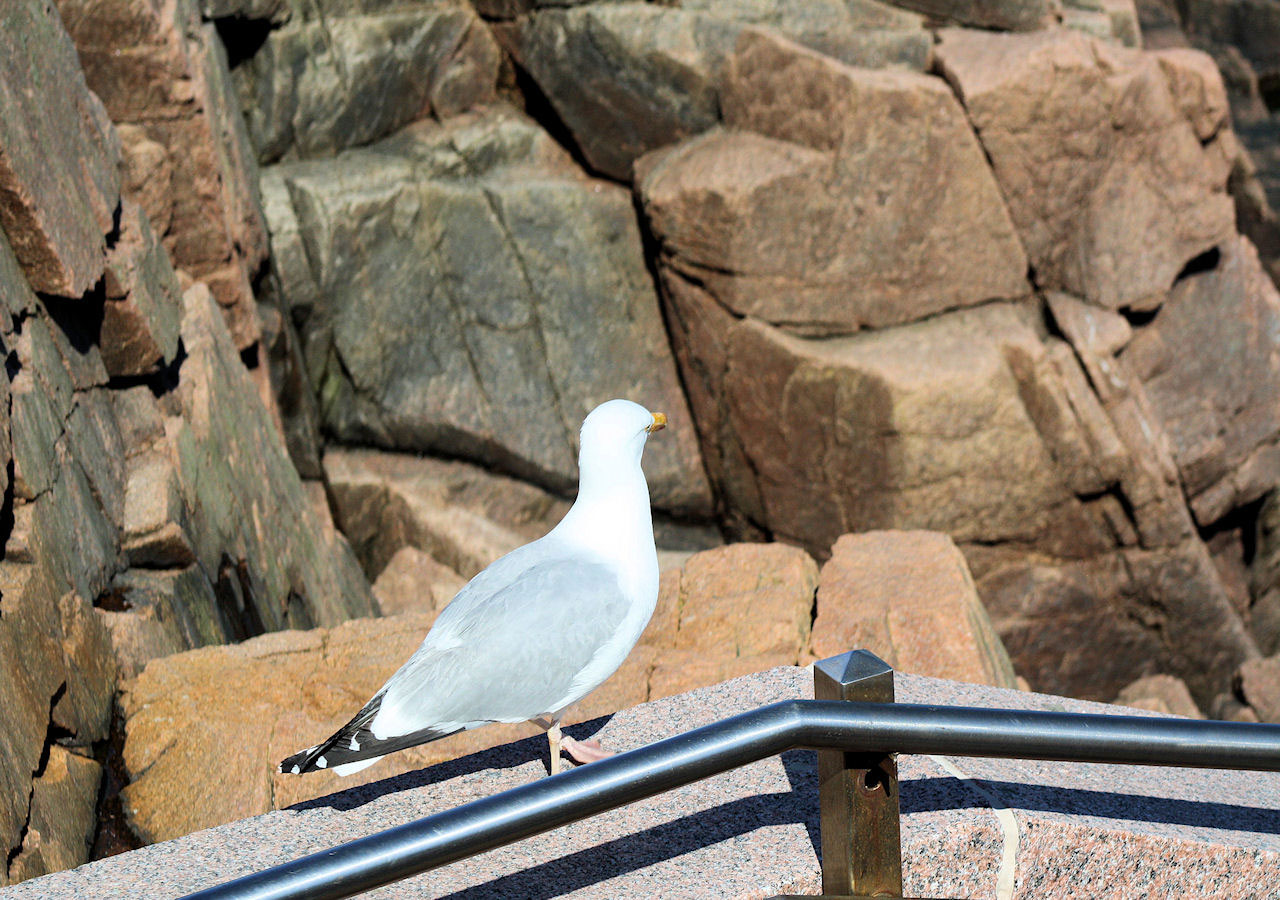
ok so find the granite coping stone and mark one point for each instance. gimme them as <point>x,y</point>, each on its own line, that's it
<point>970,827</point>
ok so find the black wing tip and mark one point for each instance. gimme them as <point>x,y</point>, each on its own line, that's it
<point>300,762</point>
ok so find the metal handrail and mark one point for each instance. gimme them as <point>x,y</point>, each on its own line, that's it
<point>877,728</point>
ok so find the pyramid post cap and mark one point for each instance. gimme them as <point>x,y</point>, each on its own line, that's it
<point>853,667</point>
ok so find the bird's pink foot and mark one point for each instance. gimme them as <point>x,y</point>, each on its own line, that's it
<point>584,751</point>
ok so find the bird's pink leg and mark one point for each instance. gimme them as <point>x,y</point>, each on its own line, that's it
<point>584,751</point>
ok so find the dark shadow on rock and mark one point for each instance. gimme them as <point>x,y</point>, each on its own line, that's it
<point>932,794</point>
<point>506,756</point>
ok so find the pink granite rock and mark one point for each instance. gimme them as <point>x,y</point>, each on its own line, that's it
<point>1096,148</point>
<point>59,156</point>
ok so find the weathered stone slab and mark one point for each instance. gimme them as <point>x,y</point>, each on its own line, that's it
<point>1095,151</point>
<point>908,597</point>
<point>893,214</point>
<point>519,300</point>
<point>912,427</point>
<point>246,514</point>
<point>63,817</point>
<point>997,15</point>
<point>1096,625</point>
<point>59,156</point>
<point>745,600</point>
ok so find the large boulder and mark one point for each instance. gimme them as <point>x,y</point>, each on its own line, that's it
<point>470,293</point>
<point>1096,148</point>
<point>894,215</point>
<point>341,75</point>
<point>908,597</point>
<point>729,611</point>
<point>906,428</point>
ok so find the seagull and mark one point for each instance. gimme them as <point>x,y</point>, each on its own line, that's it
<point>537,630</point>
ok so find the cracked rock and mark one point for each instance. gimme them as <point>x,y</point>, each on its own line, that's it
<point>519,300</point>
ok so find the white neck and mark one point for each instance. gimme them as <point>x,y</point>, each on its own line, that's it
<point>612,516</point>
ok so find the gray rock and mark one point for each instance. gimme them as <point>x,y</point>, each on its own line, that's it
<point>63,817</point>
<point>626,78</point>
<point>518,300</point>
<point>319,85</point>
<point>863,33</point>
<point>1000,15</point>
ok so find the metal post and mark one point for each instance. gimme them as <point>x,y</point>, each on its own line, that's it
<point>858,792</point>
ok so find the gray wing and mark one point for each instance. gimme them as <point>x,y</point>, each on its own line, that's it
<point>509,654</point>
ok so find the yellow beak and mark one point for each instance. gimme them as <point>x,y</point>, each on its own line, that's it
<point>659,423</point>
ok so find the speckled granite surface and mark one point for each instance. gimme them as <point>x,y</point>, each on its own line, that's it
<point>971,827</point>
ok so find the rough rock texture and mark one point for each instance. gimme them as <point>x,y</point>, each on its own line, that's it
<point>162,72</point>
<point>142,312</point>
<point>101,479</point>
<point>970,827</point>
<point>894,215</point>
<point>816,438</point>
<point>729,611</point>
<point>245,512</point>
<point>59,177</point>
<point>62,821</point>
<point>413,581</point>
<point>908,597</point>
<point>999,439</point>
<point>338,75</point>
<point>518,302</point>
<point>1001,15</point>
<point>457,513</point>
<point>1151,131</point>
<point>1223,421</point>
<point>1241,37</point>
<point>1160,693</point>
<point>628,78</point>
<point>1258,685</point>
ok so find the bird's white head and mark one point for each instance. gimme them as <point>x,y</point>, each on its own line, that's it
<point>613,438</point>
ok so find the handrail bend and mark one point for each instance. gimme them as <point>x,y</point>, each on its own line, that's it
<point>548,803</point>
